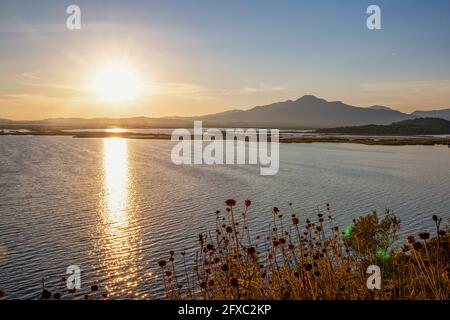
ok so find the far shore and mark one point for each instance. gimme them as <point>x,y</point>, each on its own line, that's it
<point>284,138</point>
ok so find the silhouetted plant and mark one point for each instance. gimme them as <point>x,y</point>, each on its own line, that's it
<point>310,259</point>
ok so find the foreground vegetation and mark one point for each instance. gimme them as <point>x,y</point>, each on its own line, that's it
<point>301,259</point>
<point>304,259</point>
<point>419,126</point>
<point>371,141</point>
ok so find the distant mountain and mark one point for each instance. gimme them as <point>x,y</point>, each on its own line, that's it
<point>380,108</point>
<point>308,112</point>
<point>419,126</point>
<point>99,123</point>
<point>443,114</point>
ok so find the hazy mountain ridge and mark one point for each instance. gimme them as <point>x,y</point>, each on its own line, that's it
<point>376,107</point>
<point>99,123</point>
<point>443,114</point>
<point>307,112</point>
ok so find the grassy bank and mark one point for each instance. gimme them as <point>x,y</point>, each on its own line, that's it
<point>304,259</point>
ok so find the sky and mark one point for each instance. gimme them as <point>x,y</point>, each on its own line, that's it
<point>195,57</point>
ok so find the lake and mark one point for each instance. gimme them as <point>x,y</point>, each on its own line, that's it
<point>114,207</point>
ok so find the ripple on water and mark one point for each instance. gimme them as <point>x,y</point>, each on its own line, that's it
<point>116,207</point>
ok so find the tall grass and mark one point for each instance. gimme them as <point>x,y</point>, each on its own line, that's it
<point>305,259</point>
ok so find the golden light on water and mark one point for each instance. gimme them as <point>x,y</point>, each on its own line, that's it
<point>119,241</point>
<point>116,130</point>
<point>116,180</point>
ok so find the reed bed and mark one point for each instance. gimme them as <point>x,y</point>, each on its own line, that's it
<point>302,259</point>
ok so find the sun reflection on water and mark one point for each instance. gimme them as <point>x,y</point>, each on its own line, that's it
<point>119,243</point>
<point>115,162</point>
<point>116,130</point>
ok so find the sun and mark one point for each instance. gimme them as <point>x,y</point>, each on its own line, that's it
<point>116,83</point>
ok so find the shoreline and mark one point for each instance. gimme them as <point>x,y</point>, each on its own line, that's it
<point>314,138</point>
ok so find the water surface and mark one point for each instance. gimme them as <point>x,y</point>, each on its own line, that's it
<point>116,206</point>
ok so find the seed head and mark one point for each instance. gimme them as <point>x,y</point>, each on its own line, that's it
<point>234,282</point>
<point>230,202</point>
<point>162,263</point>
<point>424,235</point>
<point>46,294</point>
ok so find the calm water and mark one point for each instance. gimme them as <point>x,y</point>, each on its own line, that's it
<point>115,206</point>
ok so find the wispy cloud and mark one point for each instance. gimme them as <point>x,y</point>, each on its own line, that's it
<point>254,89</point>
<point>15,26</point>
<point>198,92</point>
<point>29,75</point>
<point>409,94</point>
<point>74,88</point>
<point>437,85</point>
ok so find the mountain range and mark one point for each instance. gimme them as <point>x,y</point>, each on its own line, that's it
<point>307,112</point>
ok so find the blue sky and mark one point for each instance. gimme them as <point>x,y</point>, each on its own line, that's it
<point>209,56</point>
